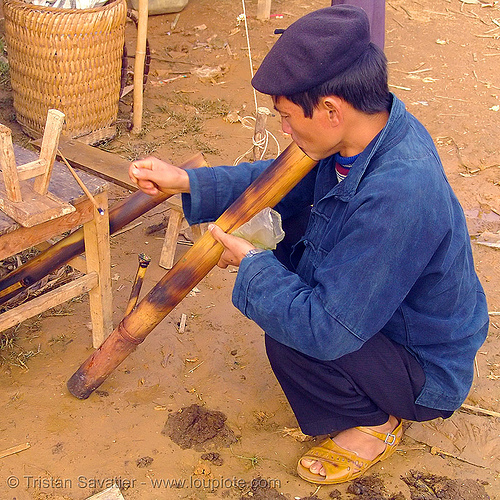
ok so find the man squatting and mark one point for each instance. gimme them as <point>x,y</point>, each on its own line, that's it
<point>372,309</point>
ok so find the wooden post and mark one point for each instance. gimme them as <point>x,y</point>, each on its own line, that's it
<point>8,165</point>
<point>50,143</point>
<point>260,133</point>
<point>140,56</point>
<point>263,9</point>
<point>171,235</point>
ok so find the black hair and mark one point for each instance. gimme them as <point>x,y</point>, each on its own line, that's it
<point>363,85</point>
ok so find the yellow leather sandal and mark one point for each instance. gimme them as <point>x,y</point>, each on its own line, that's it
<point>342,465</point>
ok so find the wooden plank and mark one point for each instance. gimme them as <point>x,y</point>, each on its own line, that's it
<point>97,253</point>
<point>31,169</point>
<point>47,300</point>
<point>16,241</point>
<point>112,493</point>
<point>170,241</point>
<point>34,208</point>
<point>50,142</point>
<point>8,165</point>
<point>103,164</point>
<point>79,263</point>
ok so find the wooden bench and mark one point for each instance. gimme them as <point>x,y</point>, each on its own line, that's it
<point>15,238</point>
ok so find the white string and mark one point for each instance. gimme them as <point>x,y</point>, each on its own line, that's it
<point>264,142</point>
<point>249,52</point>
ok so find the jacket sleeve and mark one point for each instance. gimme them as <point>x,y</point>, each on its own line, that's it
<point>289,310</point>
<point>213,190</point>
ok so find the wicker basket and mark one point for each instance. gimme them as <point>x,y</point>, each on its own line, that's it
<point>67,59</point>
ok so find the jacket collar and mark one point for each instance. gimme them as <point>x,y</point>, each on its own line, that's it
<point>394,130</point>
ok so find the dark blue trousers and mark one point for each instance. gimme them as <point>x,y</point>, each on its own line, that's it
<point>361,388</point>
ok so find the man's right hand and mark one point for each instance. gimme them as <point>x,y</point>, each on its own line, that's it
<point>153,176</point>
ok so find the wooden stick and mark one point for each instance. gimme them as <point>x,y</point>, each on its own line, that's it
<point>483,411</point>
<point>438,451</point>
<point>140,56</point>
<point>259,136</point>
<point>267,190</point>
<point>81,184</point>
<point>182,323</point>
<point>14,450</point>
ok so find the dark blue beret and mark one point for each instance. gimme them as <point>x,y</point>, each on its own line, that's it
<point>313,50</point>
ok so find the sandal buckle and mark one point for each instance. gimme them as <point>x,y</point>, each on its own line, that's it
<point>390,439</point>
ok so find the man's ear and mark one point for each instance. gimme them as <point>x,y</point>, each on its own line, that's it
<point>332,105</point>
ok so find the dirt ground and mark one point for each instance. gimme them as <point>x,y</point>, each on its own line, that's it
<point>444,60</point>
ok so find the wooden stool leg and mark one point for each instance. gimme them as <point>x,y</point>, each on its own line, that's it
<point>50,141</point>
<point>170,241</point>
<point>97,253</point>
<point>198,230</point>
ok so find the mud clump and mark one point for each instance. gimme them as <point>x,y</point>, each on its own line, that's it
<point>144,462</point>
<point>371,488</point>
<point>425,486</point>
<point>198,428</point>
<point>213,457</point>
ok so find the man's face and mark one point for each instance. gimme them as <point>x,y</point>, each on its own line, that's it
<point>316,136</point>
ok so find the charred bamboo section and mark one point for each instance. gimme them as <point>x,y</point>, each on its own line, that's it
<point>71,246</point>
<point>267,190</point>
<point>144,262</point>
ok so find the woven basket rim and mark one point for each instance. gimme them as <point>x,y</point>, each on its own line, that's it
<point>57,10</point>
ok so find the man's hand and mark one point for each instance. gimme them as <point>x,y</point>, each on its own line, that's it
<point>153,175</point>
<point>235,248</point>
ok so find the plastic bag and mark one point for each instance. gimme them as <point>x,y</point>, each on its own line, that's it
<point>263,230</point>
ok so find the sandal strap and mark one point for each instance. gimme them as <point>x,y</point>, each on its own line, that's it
<point>332,456</point>
<point>389,438</point>
<point>329,451</point>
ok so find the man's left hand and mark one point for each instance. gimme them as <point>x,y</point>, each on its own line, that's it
<point>235,248</point>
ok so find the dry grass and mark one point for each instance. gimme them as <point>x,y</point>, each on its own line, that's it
<point>179,122</point>
<point>12,353</point>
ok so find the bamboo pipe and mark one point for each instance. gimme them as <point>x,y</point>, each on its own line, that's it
<point>69,247</point>
<point>267,190</point>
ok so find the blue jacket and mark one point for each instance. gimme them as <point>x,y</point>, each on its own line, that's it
<point>386,250</point>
